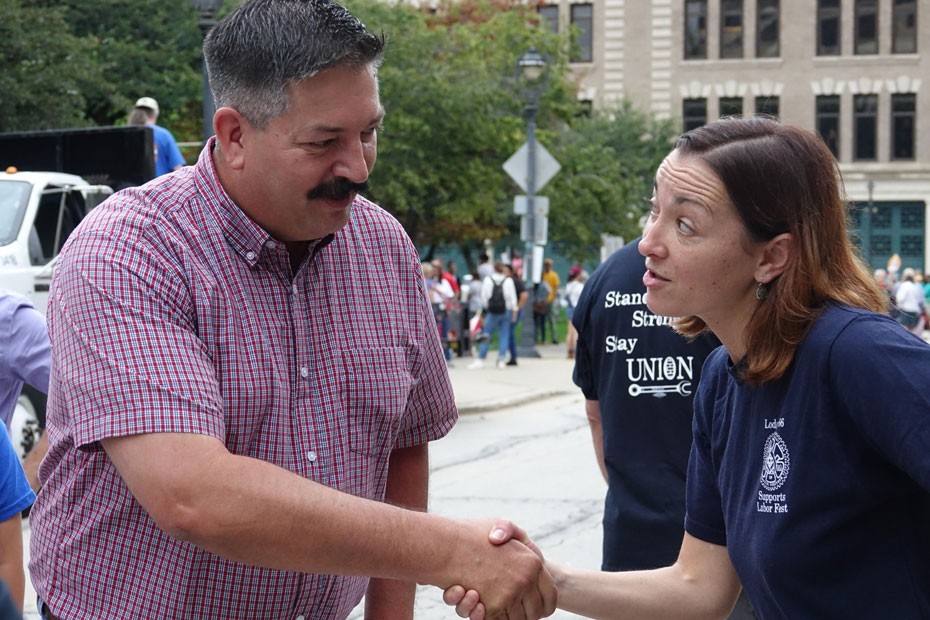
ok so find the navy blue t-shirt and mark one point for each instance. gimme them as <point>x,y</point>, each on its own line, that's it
<point>818,483</point>
<point>643,376</point>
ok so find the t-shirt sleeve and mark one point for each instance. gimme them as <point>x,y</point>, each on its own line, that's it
<point>31,357</point>
<point>125,347</point>
<point>15,493</point>
<point>704,507</point>
<point>174,154</point>
<point>881,374</point>
<point>583,375</point>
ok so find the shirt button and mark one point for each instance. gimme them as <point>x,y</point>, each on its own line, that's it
<point>311,456</point>
<point>250,255</point>
<point>304,372</point>
<point>300,618</point>
<point>294,288</point>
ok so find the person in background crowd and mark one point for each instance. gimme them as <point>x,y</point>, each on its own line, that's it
<point>499,300</point>
<point>552,307</point>
<point>808,482</point>
<point>167,154</point>
<point>909,299</point>
<point>540,309</point>
<point>485,268</point>
<point>573,288</point>
<point>25,358</point>
<point>245,368</point>
<point>522,296</point>
<point>440,295</point>
<point>640,422</point>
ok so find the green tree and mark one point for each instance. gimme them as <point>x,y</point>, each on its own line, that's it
<point>132,48</point>
<point>453,114</point>
<point>46,69</point>
<point>608,163</point>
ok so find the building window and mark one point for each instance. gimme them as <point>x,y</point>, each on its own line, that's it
<point>828,122</point>
<point>828,27</point>
<point>904,27</point>
<point>731,106</point>
<point>551,13</point>
<point>865,116</point>
<point>767,29</point>
<point>866,19</point>
<point>731,29</point>
<point>694,113</point>
<point>583,19</point>
<point>767,105</point>
<point>903,110</point>
<point>695,29</point>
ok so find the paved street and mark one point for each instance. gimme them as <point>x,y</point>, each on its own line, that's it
<point>521,450</point>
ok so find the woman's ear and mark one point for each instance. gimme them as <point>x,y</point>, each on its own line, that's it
<point>775,257</point>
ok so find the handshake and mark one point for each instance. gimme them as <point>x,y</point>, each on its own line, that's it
<point>507,579</point>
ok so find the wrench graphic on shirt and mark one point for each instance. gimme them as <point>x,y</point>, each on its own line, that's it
<point>683,388</point>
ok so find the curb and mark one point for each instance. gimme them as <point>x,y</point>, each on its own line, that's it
<point>510,401</point>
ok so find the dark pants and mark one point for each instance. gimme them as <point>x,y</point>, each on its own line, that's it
<point>513,336</point>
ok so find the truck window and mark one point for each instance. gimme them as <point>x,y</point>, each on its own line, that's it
<point>60,211</point>
<point>14,196</point>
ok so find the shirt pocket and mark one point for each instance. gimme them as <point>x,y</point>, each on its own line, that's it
<point>378,385</point>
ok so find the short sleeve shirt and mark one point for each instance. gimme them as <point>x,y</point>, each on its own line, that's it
<point>24,351</point>
<point>172,311</point>
<point>819,483</point>
<point>643,376</point>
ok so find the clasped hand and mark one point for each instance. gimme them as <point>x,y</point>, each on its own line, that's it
<point>518,588</point>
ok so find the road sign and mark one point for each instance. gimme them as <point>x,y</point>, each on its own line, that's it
<point>540,205</point>
<point>541,224</point>
<point>518,164</point>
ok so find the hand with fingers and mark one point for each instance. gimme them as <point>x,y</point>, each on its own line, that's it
<point>470,603</point>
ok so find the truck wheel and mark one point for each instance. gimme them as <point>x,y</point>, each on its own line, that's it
<point>28,421</point>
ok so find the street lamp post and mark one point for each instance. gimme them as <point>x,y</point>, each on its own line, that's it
<point>868,250</point>
<point>206,20</point>
<point>532,74</point>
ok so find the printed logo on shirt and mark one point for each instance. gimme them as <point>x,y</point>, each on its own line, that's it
<point>776,463</point>
<point>660,376</point>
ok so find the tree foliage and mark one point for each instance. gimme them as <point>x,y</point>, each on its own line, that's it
<point>455,113</point>
<point>84,62</point>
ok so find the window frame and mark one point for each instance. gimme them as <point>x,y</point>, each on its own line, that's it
<point>587,51</point>
<point>543,9</point>
<point>732,48</point>
<point>775,6</point>
<point>860,10</point>
<point>833,114</point>
<point>897,116</point>
<point>897,15</point>
<point>834,13</point>
<point>700,47</point>
<point>685,117</point>
<point>860,116</point>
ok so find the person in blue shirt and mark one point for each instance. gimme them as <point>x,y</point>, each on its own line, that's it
<point>167,154</point>
<point>809,477</point>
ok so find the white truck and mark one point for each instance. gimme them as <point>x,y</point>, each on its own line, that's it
<point>49,181</point>
<point>38,210</point>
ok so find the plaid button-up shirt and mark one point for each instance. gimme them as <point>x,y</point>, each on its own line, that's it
<point>172,311</point>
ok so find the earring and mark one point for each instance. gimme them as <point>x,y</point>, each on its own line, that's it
<point>762,291</point>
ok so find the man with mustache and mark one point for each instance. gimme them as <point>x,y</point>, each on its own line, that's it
<point>237,429</point>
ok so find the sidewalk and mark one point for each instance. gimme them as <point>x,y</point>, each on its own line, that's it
<point>490,388</point>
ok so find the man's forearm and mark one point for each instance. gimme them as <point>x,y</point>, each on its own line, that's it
<point>407,486</point>
<point>256,513</point>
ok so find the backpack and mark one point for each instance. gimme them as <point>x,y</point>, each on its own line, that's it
<point>496,304</point>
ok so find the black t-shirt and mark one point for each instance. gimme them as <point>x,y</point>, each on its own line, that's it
<point>643,375</point>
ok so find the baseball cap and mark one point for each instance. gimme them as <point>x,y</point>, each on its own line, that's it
<point>147,102</point>
<point>574,271</point>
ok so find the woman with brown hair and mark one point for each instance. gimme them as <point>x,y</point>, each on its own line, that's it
<point>809,477</point>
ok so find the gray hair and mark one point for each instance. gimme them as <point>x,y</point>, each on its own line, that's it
<point>254,54</point>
